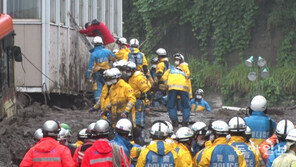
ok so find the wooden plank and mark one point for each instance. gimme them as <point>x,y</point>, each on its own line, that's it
<point>83,37</point>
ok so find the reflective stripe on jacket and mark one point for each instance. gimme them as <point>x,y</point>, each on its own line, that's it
<point>48,152</point>
<point>100,154</point>
<point>79,152</point>
<point>175,80</point>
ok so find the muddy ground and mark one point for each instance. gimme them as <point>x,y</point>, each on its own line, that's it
<point>17,132</point>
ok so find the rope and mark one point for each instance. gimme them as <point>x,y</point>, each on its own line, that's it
<point>38,69</point>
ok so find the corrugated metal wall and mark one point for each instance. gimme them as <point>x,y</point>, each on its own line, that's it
<point>55,47</point>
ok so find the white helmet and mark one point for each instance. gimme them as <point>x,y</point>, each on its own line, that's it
<point>159,130</point>
<point>198,127</point>
<point>124,125</point>
<point>102,127</point>
<point>131,65</point>
<point>82,134</point>
<point>184,134</point>
<point>161,52</point>
<point>90,129</point>
<point>179,56</point>
<point>291,135</point>
<point>283,127</point>
<point>64,134</point>
<point>120,63</point>
<point>97,40</point>
<point>38,135</point>
<point>134,43</point>
<point>237,124</point>
<point>115,73</point>
<point>122,41</point>
<point>258,103</point>
<point>51,128</point>
<point>171,128</point>
<point>220,127</point>
<point>248,131</point>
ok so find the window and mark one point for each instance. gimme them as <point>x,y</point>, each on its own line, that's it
<point>53,11</point>
<point>81,13</point>
<point>90,11</point>
<point>63,11</point>
<point>28,9</point>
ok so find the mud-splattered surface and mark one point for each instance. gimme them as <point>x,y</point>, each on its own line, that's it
<point>16,133</point>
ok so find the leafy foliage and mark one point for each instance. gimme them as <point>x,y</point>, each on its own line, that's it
<point>227,22</point>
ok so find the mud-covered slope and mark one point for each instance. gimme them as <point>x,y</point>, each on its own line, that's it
<point>17,133</point>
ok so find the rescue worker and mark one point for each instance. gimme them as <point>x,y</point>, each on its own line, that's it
<point>198,103</point>
<point>120,64</point>
<point>38,135</point>
<point>158,152</point>
<point>48,152</point>
<point>248,135</point>
<point>104,99</point>
<point>185,138</point>
<point>123,128</point>
<point>274,147</point>
<point>141,87</point>
<point>177,84</point>
<point>136,56</point>
<point>199,129</point>
<point>123,48</point>
<point>81,137</point>
<point>63,138</point>
<point>158,85</point>
<point>154,63</point>
<point>258,117</point>
<point>99,29</point>
<point>287,159</point>
<point>121,96</point>
<point>163,63</point>
<point>209,137</point>
<point>98,63</point>
<point>102,152</point>
<point>221,153</point>
<point>91,138</point>
<point>170,139</point>
<point>237,128</point>
<point>180,62</point>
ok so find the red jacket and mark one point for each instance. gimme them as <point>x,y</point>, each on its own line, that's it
<point>100,155</point>
<point>48,152</point>
<point>79,152</point>
<point>106,34</point>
